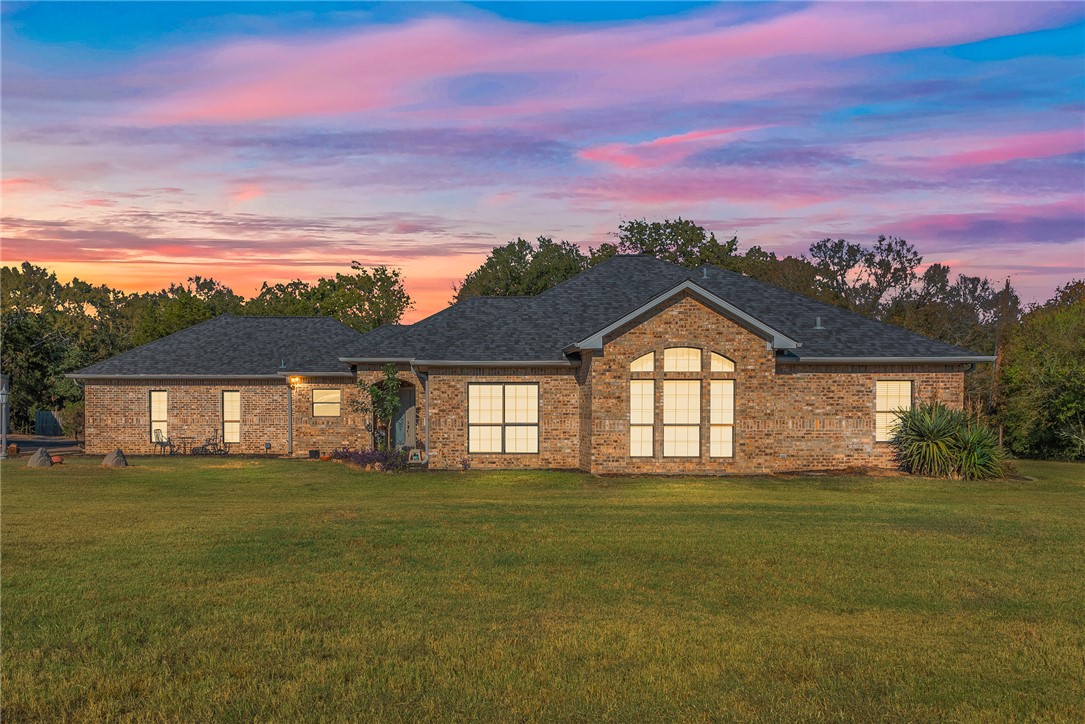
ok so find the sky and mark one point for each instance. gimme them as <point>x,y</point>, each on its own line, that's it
<point>143,143</point>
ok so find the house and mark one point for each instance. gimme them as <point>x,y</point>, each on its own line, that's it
<point>634,366</point>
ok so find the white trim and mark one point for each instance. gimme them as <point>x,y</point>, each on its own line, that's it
<point>883,360</point>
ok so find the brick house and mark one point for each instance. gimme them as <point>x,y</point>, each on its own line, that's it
<point>634,366</point>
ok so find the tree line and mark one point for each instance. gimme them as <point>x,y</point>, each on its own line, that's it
<point>1035,392</point>
<point>48,329</point>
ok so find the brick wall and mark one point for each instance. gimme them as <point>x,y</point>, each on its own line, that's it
<point>786,418</point>
<point>559,422</point>
<point>118,415</point>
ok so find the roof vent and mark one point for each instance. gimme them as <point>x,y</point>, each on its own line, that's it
<point>817,323</point>
<point>704,272</point>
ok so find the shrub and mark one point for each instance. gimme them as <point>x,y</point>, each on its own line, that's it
<point>390,459</point>
<point>938,442</point>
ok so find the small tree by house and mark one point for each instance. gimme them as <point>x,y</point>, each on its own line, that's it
<point>383,404</point>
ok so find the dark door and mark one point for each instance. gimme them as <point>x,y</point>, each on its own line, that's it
<point>403,425</point>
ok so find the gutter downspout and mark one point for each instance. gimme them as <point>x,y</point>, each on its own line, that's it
<point>424,378</point>
<point>289,418</point>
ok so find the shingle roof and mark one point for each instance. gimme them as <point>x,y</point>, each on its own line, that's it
<point>539,328</point>
<point>239,346</point>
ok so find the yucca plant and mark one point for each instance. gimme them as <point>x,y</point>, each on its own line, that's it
<point>938,442</point>
<point>980,456</point>
<point>926,439</point>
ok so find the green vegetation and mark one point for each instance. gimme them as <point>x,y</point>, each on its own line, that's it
<point>934,440</point>
<point>188,589</point>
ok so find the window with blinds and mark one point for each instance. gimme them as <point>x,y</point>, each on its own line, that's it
<point>890,397</point>
<point>231,416</point>
<point>721,419</point>
<point>642,407</point>
<point>327,403</point>
<point>159,402</point>
<point>681,418</point>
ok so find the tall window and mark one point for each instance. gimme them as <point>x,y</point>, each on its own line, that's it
<point>642,408</point>
<point>503,418</point>
<point>231,416</point>
<point>681,418</point>
<point>722,419</point>
<point>682,359</point>
<point>326,403</point>
<point>890,397</point>
<point>159,404</point>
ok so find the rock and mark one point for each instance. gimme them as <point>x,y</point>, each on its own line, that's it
<point>115,459</point>
<point>40,459</point>
<point>378,467</point>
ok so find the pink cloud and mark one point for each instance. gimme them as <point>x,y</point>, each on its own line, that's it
<point>246,192</point>
<point>397,69</point>
<point>954,150</point>
<point>662,151</point>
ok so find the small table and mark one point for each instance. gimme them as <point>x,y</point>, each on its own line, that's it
<point>184,440</point>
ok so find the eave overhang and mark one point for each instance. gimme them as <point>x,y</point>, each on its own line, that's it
<point>775,338</point>
<point>963,359</point>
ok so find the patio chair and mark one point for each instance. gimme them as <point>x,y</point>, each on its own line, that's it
<point>210,446</point>
<point>162,443</point>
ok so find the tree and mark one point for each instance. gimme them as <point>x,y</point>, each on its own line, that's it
<point>676,240</point>
<point>1043,378</point>
<point>364,300</point>
<point>860,278</point>
<point>383,404</point>
<point>182,305</point>
<point>521,268</point>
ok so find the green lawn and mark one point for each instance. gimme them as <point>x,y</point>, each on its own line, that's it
<point>191,589</point>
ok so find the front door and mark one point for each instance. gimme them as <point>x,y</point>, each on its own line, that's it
<point>403,425</point>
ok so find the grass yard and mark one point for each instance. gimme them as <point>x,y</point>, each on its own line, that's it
<point>196,589</point>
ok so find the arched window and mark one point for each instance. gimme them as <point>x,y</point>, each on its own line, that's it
<point>682,402</point>
<point>644,363</point>
<point>682,359</point>
<point>720,363</point>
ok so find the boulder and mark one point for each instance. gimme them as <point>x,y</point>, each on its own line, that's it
<point>115,459</point>
<point>40,459</point>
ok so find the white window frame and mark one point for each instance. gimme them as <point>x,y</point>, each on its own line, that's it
<point>505,426</point>
<point>323,408</point>
<point>886,391</point>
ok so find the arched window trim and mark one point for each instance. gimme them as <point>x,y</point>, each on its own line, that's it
<point>725,363</point>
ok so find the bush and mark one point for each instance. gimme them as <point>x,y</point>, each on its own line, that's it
<point>390,459</point>
<point>938,442</point>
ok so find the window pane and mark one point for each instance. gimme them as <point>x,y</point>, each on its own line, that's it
<point>681,402</point>
<point>722,402</point>
<point>158,405</point>
<point>521,404</point>
<point>484,438</point>
<point>640,441</point>
<point>231,431</point>
<point>327,395</point>
<point>681,359</point>
<point>642,402</point>
<point>326,409</point>
<point>722,442</point>
<point>894,395</point>
<point>644,363</point>
<point>681,441</point>
<point>160,426</point>
<point>231,405</point>
<point>721,363</point>
<point>885,424</point>
<point>522,439</point>
<point>484,404</point>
